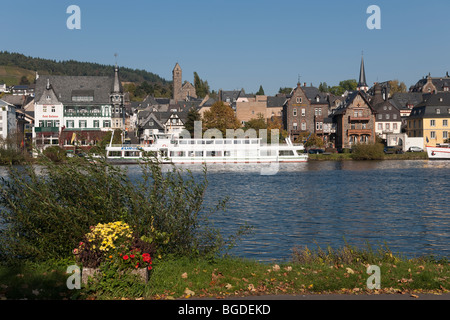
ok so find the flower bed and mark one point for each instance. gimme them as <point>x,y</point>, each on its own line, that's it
<point>114,246</point>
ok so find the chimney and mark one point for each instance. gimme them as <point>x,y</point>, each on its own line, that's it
<point>304,84</point>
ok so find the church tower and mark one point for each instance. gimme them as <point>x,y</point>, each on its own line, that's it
<point>177,82</point>
<point>362,84</point>
<point>117,102</point>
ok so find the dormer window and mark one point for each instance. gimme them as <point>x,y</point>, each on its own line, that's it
<point>438,111</point>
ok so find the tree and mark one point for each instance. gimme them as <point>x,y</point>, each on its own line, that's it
<point>396,86</point>
<point>323,87</point>
<point>201,87</point>
<point>220,116</point>
<point>260,91</point>
<point>258,123</point>
<point>285,90</point>
<point>193,115</point>
<point>24,81</point>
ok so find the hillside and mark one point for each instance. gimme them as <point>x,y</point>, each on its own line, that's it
<point>13,66</point>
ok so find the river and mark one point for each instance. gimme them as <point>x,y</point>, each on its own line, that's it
<point>401,204</point>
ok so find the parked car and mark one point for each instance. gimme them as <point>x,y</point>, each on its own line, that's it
<point>415,149</point>
<point>392,150</point>
<point>315,151</point>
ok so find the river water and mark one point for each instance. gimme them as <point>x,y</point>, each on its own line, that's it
<point>401,204</point>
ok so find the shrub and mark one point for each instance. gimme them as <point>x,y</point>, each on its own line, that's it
<point>46,209</point>
<point>368,152</point>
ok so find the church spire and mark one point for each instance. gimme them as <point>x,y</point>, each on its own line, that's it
<point>362,84</point>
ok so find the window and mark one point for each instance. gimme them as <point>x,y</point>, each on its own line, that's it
<point>432,123</point>
<point>380,116</point>
<point>433,134</point>
<point>69,123</point>
<point>394,126</point>
<point>438,111</point>
<point>299,100</point>
<point>380,126</point>
<point>303,112</point>
<point>82,124</point>
<point>44,109</point>
<point>445,123</point>
<point>107,124</point>
<point>387,117</point>
<point>53,109</point>
<point>445,135</point>
<point>294,112</point>
<point>394,116</point>
<point>388,126</point>
<point>96,124</point>
<point>295,126</point>
<point>303,126</point>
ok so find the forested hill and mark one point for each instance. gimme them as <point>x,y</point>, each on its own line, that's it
<point>74,68</point>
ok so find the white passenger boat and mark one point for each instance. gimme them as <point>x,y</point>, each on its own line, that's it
<point>238,150</point>
<point>440,152</point>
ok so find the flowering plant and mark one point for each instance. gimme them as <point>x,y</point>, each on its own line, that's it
<point>116,244</point>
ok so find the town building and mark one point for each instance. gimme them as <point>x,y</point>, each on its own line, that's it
<point>388,118</point>
<point>355,121</point>
<point>76,111</point>
<point>431,84</point>
<point>8,120</point>
<point>304,111</point>
<point>430,119</point>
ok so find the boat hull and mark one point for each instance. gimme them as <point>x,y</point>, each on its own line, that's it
<point>438,153</point>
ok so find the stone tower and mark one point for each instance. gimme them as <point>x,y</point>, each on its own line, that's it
<point>177,82</point>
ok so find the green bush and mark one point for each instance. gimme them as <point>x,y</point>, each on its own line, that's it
<point>55,153</point>
<point>47,209</point>
<point>368,152</point>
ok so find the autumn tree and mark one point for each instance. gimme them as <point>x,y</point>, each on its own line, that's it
<point>396,86</point>
<point>221,117</point>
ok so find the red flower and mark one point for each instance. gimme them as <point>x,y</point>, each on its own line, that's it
<point>125,257</point>
<point>131,256</point>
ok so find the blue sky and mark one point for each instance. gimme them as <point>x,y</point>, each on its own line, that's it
<point>240,44</point>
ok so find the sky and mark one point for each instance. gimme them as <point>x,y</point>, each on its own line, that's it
<point>240,44</point>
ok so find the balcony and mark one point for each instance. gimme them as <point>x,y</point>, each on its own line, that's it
<point>46,129</point>
<point>355,119</point>
<point>359,132</point>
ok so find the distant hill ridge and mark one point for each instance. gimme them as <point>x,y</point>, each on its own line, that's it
<point>15,65</point>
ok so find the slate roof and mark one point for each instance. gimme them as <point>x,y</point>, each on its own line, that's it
<point>429,106</point>
<point>274,102</point>
<point>65,86</point>
<point>401,100</point>
<point>438,82</point>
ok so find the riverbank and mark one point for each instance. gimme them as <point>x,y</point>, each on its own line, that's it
<point>348,156</point>
<point>341,272</point>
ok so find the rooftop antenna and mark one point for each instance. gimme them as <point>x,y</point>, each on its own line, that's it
<point>115,56</point>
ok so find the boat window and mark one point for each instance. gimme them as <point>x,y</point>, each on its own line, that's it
<point>131,153</point>
<point>237,141</point>
<point>286,153</point>
<point>246,141</point>
<point>177,153</point>
<point>228,142</point>
<point>227,153</point>
<point>219,141</point>
<point>254,141</point>
<point>209,141</point>
<point>115,153</point>
<point>182,141</point>
<point>199,153</point>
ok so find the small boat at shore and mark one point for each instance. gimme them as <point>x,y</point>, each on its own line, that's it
<point>440,152</point>
<point>168,149</point>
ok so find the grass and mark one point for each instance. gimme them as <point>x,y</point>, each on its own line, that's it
<point>341,271</point>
